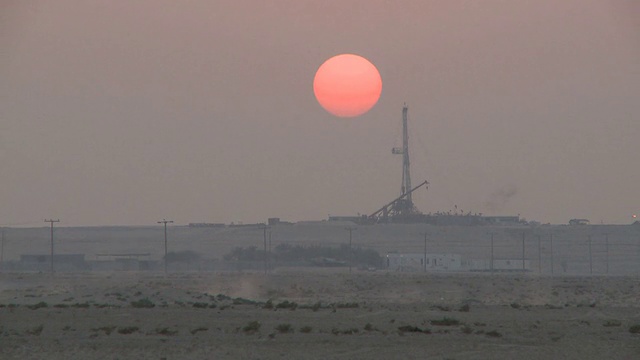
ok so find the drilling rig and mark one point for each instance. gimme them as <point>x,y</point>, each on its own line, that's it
<point>401,209</point>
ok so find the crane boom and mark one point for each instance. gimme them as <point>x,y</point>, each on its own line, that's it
<point>385,210</point>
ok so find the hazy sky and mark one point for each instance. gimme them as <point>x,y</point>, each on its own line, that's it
<point>127,112</point>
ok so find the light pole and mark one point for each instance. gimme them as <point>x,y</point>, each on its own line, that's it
<point>270,264</point>
<point>425,252</point>
<point>590,257</point>
<point>523,251</point>
<point>539,256</point>
<point>551,249</point>
<point>165,222</point>
<point>264,236</point>
<point>51,222</point>
<point>606,244</point>
<point>2,251</point>
<point>350,229</point>
<point>491,252</point>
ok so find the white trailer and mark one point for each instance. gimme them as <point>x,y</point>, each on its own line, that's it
<point>416,262</point>
<point>498,265</point>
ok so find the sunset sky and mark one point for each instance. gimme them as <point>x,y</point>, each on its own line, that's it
<point>127,112</point>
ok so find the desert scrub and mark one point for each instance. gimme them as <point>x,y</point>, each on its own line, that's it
<point>84,305</point>
<point>466,330</point>
<point>197,330</point>
<point>610,323</point>
<point>494,333</point>
<point>351,305</point>
<point>106,329</point>
<point>166,331</point>
<point>351,331</point>
<point>143,303</point>
<point>315,307</point>
<point>284,328</point>
<point>200,305</point>
<point>35,331</point>
<point>306,329</point>
<point>445,322</point>
<point>243,301</point>
<point>287,305</point>
<point>409,328</point>
<point>464,308</point>
<point>37,306</point>
<point>251,327</point>
<point>102,306</point>
<point>635,329</point>
<point>127,330</point>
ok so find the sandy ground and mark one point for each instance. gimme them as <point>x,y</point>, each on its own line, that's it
<point>317,314</point>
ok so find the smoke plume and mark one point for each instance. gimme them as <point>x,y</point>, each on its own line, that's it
<point>500,198</point>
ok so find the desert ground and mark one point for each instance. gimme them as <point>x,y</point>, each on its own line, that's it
<point>306,313</point>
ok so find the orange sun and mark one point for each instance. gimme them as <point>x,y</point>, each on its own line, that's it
<point>347,85</point>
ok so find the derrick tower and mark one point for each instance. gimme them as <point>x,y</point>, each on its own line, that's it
<point>404,151</point>
<point>402,208</point>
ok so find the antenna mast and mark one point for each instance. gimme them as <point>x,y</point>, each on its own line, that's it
<point>404,151</point>
<point>406,175</point>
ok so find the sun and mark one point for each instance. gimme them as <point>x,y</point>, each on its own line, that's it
<point>347,85</point>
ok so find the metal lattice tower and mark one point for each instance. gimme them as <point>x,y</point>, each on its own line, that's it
<point>401,209</point>
<point>404,151</point>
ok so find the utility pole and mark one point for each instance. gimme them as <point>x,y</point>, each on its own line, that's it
<point>523,251</point>
<point>425,252</point>
<point>539,255</point>
<point>270,265</point>
<point>2,251</point>
<point>51,222</point>
<point>264,237</point>
<point>492,252</point>
<point>165,222</point>
<point>606,244</point>
<point>350,229</point>
<point>590,257</point>
<point>551,241</point>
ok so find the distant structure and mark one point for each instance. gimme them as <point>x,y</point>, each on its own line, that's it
<point>405,205</point>
<point>206,225</point>
<point>574,222</point>
<point>403,210</point>
<point>419,262</point>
